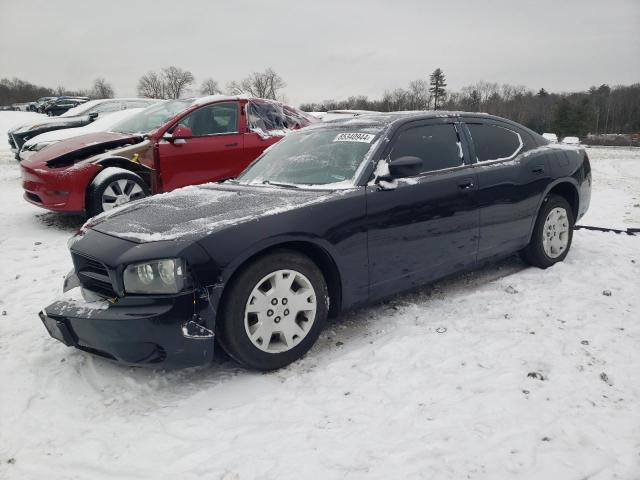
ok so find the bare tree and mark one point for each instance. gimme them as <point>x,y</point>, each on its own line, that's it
<point>102,89</point>
<point>151,85</point>
<point>176,81</point>
<point>265,84</point>
<point>210,87</point>
<point>418,95</point>
<point>171,83</point>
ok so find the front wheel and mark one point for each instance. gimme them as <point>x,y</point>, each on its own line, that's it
<point>552,233</point>
<point>113,187</point>
<point>274,311</point>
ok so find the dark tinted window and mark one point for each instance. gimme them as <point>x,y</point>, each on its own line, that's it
<point>492,142</point>
<point>436,145</point>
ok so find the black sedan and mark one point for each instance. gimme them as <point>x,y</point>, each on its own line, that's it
<point>333,216</point>
<point>60,105</point>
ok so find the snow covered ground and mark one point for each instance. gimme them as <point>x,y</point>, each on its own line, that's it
<point>507,372</point>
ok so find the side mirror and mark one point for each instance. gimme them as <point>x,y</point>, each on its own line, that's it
<point>93,116</point>
<point>179,135</point>
<point>182,132</point>
<point>405,167</point>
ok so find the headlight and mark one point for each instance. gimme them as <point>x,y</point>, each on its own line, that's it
<point>168,275</point>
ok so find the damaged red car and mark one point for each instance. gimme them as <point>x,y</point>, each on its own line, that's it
<point>164,147</point>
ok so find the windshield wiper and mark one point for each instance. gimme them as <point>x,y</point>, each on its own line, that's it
<point>280,184</point>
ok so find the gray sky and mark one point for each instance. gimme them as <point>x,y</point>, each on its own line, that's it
<point>324,48</point>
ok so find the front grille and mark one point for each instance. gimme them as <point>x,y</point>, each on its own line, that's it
<point>12,143</point>
<point>93,275</point>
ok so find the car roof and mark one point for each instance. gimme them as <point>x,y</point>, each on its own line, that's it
<point>385,119</point>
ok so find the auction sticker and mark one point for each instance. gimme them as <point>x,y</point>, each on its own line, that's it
<point>354,137</point>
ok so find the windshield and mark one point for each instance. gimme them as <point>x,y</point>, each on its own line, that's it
<point>314,157</point>
<point>152,117</point>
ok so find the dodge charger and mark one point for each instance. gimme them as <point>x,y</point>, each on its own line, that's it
<point>333,216</point>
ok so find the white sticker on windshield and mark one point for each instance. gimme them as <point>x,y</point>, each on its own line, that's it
<point>354,137</point>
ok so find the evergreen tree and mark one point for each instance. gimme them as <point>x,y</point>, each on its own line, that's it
<point>437,82</point>
<point>583,117</point>
<point>563,119</point>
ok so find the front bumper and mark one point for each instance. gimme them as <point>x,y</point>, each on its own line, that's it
<point>58,189</point>
<point>157,332</point>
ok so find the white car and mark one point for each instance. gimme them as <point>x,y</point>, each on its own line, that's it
<point>571,140</point>
<point>102,124</point>
<point>552,137</point>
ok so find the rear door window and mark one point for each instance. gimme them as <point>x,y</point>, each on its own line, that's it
<point>493,142</point>
<point>437,145</point>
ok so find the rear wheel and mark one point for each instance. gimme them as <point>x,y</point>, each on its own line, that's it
<point>552,234</point>
<point>114,187</point>
<point>274,311</point>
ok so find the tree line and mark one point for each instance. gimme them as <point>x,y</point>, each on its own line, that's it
<point>599,110</point>
<point>168,83</point>
<point>15,90</point>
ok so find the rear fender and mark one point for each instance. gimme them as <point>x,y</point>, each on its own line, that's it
<point>568,180</point>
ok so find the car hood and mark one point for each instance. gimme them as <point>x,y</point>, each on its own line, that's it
<point>197,211</point>
<point>45,123</point>
<point>72,150</point>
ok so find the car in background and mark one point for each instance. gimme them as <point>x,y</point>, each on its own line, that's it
<point>103,123</point>
<point>35,106</point>
<point>20,107</point>
<point>78,116</point>
<point>46,101</point>
<point>335,215</point>
<point>571,141</point>
<point>339,114</point>
<point>552,137</point>
<point>60,105</point>
<point>164,147</point>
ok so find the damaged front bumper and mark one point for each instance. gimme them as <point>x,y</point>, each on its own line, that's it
<point>159,332</point>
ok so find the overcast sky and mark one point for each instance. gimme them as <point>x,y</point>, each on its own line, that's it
<point>324,48</point>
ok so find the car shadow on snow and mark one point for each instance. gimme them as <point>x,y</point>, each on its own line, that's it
<point>348,328</point>
<point>62,221</point>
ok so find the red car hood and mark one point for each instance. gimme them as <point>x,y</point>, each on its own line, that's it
<point>79,148</point>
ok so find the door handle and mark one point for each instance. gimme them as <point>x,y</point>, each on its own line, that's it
<point>232,144</point>
<point>466,185</point>
<point>538,170</point>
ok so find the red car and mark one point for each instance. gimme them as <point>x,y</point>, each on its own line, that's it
<point>164,147</point>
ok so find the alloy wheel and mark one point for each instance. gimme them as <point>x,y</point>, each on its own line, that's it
<point>120,192</point>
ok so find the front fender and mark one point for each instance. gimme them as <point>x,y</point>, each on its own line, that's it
<point>218,285</point>
<point>275,241</point>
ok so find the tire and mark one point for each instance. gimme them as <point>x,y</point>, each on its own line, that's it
<point>559,239</point>
<point>243,316</point>
<point>106,184</point>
